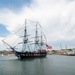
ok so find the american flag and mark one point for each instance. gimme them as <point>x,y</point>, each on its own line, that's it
<point>48,47</point>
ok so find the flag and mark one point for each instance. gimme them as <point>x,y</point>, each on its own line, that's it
<point>48,47</point>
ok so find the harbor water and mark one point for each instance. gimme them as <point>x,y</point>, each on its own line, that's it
<point>51,65</point>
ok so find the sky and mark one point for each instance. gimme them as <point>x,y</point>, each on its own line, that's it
<point>57,18</point>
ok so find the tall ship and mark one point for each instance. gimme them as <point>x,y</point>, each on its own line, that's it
<point>35,48</point>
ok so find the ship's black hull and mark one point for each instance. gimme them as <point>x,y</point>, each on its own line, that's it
<point>23,55</point>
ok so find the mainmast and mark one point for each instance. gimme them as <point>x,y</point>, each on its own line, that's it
<point>36,47</point>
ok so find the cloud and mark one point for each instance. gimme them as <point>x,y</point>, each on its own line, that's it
<point>57,18</point>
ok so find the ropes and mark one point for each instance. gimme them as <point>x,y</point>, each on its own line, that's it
<point>43,32</point>
<point>21,27</point>
<point>40,27</point>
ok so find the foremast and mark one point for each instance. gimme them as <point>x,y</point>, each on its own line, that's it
<point>25,46</point>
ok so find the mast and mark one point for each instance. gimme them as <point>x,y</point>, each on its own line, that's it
<point>25,39</point>
<point>36,47</point>
<point>41,44</point>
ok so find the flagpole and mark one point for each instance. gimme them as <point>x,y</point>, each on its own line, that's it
<point>66,47</point>
<point>60,46</point>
